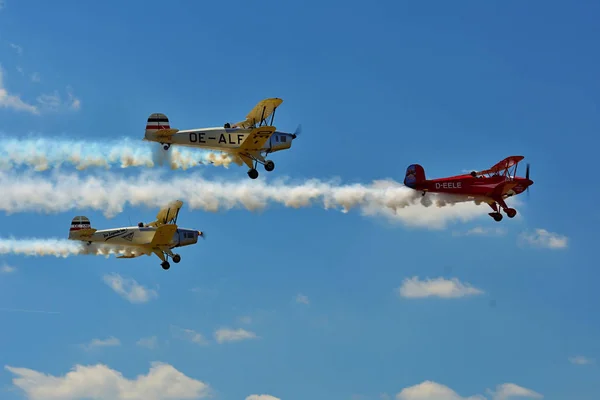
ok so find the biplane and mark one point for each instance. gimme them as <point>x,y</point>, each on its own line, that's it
<point>491,186</point>
<point>158,237</point>
<point>248,141</point>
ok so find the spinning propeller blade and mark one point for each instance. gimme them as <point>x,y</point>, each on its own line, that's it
<point>297,132</point>
<point>527,176</point>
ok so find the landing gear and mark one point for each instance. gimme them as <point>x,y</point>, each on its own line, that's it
<point>496,215</point>
<point>252,159</point>
<point>269,166</point>
<point>166,146</point>
<point>164,256</point>
<point>253,173</point>
<point>510,212</point>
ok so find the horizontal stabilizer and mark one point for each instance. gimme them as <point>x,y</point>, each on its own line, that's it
<point>129,256</point>
<point>165,133</point>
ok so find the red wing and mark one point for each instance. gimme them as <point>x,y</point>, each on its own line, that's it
<point>504,164</point>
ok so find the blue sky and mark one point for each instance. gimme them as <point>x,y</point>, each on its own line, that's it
<point>311,303</point>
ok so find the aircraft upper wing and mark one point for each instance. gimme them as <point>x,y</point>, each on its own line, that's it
<point>167,214</point>
<point>504,164</point>
<point>257,138</point>
<point>260,112</point>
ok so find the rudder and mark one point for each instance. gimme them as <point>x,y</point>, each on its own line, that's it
<point>415,174</point>
<point>79,225</point>
<point>156,122</point>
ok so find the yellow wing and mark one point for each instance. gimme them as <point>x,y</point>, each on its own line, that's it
<point>82,233</point>
<point>165,133</point>
<point>131,255</point>
<point>260,112</point>
<point>257,138</point>
<point>167,213</point>
<point>163,235</point>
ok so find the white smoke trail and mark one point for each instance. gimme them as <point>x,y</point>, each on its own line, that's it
<point>61,248</point>
<point>43,154</point>
<point>111,193</point>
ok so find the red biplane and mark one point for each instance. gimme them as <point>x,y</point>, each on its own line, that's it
<point>491,186</point>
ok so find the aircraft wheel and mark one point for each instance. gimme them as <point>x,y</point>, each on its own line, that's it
<point>269,166</point>
<point>497,217</point>
<point>176,258</point>
<point>253,174</point>
<point>165,265</point>
<point>166,146</point>
<point>510,212</point>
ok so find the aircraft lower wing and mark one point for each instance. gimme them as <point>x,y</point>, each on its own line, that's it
<point>163,235</point>
<point>257,138</point>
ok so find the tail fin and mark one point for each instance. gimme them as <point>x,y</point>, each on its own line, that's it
<point>156,122</point>
<point>415,174</point>
<point>80,227</point>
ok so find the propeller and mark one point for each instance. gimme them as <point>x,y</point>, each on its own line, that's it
<point>202,234</point>
<point>527,176</point>
<point>297,132</point>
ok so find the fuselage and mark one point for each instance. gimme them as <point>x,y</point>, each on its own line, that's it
<point>221,139</point>
<point>476,186</point>
<point>140,236</point>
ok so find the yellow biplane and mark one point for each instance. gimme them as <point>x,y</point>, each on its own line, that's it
<point>158,237</point>
<point>248,141</point>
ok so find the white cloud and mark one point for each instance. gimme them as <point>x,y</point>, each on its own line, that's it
<point>543,238</point>
<point>429,390</point>
<point>148,342</point>
<point>510,390</point>
<point>162,382</point>
<point>481,231</point>
<point>439,287</point>
<point>7,269</point>
<point>262,397</point>
<point>109,342</point>
<point>233,335</point>
<point>129,288</point>
<point>73,102</point>
<point>35,77</point>
<point>17,48</point>
<point>53,102</point>
<point>189,334</point>
<point>12,101</point>
<point>302,299</point>
<point>581,360</point>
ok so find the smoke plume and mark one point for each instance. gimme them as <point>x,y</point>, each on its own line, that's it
<point>61,248</point>
<point>110,193</point>
<point>43,154</point>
